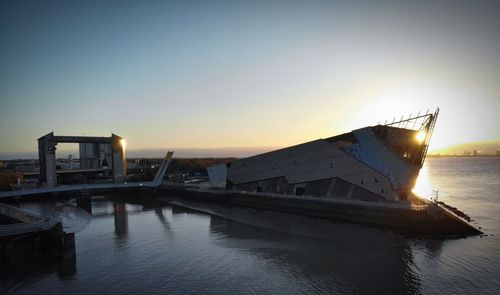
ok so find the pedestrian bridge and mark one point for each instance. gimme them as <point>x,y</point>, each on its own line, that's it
<point>156,182</point>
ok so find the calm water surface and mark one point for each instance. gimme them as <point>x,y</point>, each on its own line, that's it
<point>129,246</point>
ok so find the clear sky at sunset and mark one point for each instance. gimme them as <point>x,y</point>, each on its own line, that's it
<point>210,74</point>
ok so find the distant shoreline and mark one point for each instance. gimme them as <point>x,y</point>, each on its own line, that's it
<point>226,158</point>
<point>460,156</point>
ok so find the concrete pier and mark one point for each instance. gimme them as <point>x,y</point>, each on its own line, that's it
<point>405,219</point>
<point>25,236</point>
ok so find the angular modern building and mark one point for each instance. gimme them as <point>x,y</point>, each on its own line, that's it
<point>375,163</point>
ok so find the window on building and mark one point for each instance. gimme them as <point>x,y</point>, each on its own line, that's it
<point>300,191</point>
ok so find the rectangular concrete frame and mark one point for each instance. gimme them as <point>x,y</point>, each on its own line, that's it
<point>47,155</point>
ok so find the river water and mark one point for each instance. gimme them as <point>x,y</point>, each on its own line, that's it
<point>133,246</point>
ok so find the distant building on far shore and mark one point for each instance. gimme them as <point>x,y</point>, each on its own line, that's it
<point>498,153</point>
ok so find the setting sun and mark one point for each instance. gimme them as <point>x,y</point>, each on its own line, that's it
<point>421,136</point>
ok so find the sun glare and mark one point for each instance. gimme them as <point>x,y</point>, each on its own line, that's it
<point>421,136</point>
<point>423,186</point>
<point>123,142</point>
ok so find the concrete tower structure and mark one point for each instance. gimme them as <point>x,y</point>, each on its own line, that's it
<point>95,153</point>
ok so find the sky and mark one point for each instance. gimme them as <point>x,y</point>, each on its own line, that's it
<point>245,74</point>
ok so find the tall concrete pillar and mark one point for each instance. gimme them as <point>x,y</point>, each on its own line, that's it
<point>119,160</point>
<point>47,158</point>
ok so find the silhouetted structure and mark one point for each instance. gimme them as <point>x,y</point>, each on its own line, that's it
<point>375,163</point>
<point>95,152</point>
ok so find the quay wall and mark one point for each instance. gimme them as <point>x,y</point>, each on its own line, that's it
<point>435,222</point>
